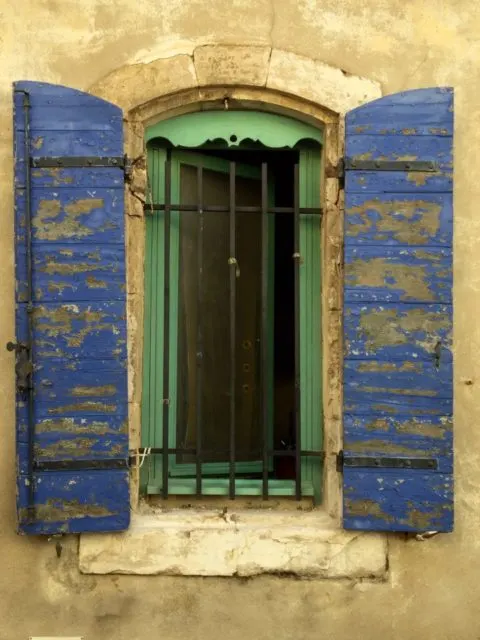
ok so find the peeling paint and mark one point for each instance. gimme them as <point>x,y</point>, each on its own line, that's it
<point>56,174</point>
<point>74,449</point>
<point>389,448</point>
<point>380,272</point>
<point>59,321</point>
<point>56,510</point>
<point>49,224</point>
<point>59,287</point>
<point>98,407</point>
<point>383,327</point>
<point>436,431</point>
<point>384,367</point>
<point>363,508</point>
<point>423,219</point>
<point>379,424</point>
<point>37,142</point>
<point>105,390</point>
<point>400,392</point>
<point>71,425</point>
<point>93,283</point>
<point>69,268</point>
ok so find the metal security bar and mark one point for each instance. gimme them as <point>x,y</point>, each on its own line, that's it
<point>200,452</point>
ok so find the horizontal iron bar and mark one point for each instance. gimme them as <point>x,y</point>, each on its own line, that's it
<point>80,465</point>
<point>275,452</point>
<point>222,209</point>
<point>72,162</point>
<point>390,165</point>
<point>381,462</point>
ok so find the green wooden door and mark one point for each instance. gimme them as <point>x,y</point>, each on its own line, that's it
<point>215,315</point>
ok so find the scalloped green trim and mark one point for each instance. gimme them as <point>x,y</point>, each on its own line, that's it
<point>233,127</point>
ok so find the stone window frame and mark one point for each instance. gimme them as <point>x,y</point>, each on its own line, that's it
<point>239,541</point>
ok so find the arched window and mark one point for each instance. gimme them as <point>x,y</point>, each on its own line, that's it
<point>232,366</point>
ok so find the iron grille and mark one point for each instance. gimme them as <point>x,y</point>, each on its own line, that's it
<point>203,209</point>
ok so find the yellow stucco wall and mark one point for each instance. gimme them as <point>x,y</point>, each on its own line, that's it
<point>433,589</point>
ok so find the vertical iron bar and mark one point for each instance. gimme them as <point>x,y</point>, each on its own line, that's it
<point>200,223</point>
<point>28,240</point>
<point>233,275</point>
<point>166,326</point>
<point>264,331</point>
<point>297,262</point>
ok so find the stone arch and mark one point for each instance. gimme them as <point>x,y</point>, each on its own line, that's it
<point>251,77</point>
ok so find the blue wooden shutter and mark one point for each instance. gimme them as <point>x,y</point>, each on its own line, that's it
<point>72,435</point>
<point>398,313</point>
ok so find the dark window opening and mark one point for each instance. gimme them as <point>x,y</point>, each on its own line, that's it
<point>214,316</point>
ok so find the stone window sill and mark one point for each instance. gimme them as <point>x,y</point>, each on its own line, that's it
<point>237,543</point>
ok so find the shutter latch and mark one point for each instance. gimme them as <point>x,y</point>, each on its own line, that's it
<point>23,366</point>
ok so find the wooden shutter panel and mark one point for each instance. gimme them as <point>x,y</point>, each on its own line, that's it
<point>72,430</point>
<point>397,467</point>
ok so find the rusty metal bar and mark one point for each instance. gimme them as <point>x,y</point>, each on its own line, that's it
<point>232,261</point>
<point>166,327</point>
<point>238,209</point>
<point>278,453</point>
<point>199,417</point>
<point>296,262</point>
<point>264,330</point>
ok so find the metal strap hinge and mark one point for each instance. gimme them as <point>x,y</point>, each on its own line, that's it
<point>80,465</point>
<point>351,164</point>
<point>80,162</point>
<point>384,462</point>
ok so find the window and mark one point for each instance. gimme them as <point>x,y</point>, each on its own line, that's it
<point>72,405</point>
<point>232,308</point>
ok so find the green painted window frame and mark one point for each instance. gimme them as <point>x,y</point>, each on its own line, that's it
<point>310,295</point>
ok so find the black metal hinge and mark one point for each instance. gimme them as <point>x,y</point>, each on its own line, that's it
<point>79,162</point>
<point>80,465</point>
<point>384,462</point>
<point>23,366</point>
<point>350,164</point>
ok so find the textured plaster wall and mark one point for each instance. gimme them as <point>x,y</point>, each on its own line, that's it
<point>432,590</point>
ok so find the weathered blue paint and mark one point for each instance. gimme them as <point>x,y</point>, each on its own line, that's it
<point>98,177</point>
<point>69,502</point>
<point>72,214</point>
<point>397,500</point>
<point>74,330</point>
<point>398,274</point>
<point>71,143</point>
<point>386,217</point>
<point>438,182</point>
<point>79,313</point>
<point>401,331</point>
<point>56,272</point>
<point>397,147</point>
<point>398,313</point>
<point>411,386</point>
<point>423,112</point>
<point>407,436</point>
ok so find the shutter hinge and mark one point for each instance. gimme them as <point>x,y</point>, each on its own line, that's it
<point>352,164</point>
<point>384,462</point>
<point>23,367</point>
<point>81,465</point>
<point>84,162</point>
